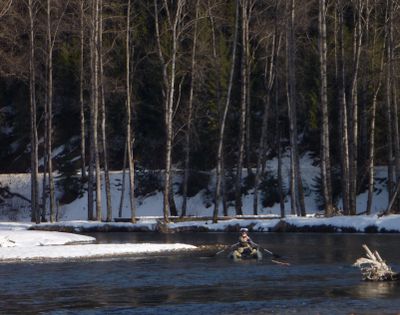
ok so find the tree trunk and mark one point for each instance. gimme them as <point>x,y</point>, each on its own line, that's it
<point>222,183</point>
<point>371,151</point>
<point>50,115</point>
<point>44,179</point>
<point>243,111</point>
<point>190,113</point>
<point>269,78</point>
<point>45,153</point>
<point>94,152</point>
<point>223,120</point>
<point>91,125</point>
<point>169,80</point>
<point>129,139</point>
<point>396,139</point>
<point>296,188</point>
<point>371,154</point>
<point>169,113</point>
<point>280,181</point>
<point>395,113</point>
<point>325,147</point>
<point>389,123</point>
<point>248,88</point>
<point>35,214</point>
<point>121,202</point>
<point>165,100</point>
<point>81,91</point>
<point>344,144</point>
<point>353,156</point>
<point>103,119</point>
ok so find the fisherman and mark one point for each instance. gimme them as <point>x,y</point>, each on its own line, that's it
<point>245,245</point>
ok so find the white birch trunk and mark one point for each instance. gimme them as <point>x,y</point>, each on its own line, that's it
<point>129,139</point>
<point>371,151</point>
<point>103,118</point>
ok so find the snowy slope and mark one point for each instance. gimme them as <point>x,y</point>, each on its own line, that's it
<point>17,209</point>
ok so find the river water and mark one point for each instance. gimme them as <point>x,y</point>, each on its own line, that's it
<point>320,279</point>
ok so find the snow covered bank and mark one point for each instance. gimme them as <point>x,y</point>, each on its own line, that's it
<point>19,244</point>
<point>351,224</point>
<point>39,238</point>
<point>86,251</point>
<point>359,224</point>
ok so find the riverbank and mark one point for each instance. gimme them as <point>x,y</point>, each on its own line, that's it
<point>19,244</point>
<point>338,224</point>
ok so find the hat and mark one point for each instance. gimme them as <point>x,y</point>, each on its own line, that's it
<point>244,230</point>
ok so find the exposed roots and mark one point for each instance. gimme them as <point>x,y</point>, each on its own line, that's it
<point>374,268</point>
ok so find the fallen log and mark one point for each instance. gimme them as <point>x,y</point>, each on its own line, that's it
<point>374,268</point>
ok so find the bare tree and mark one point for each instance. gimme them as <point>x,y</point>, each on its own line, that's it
<point>103,115</point>
<point>325,147</point>
<point>5,7</point>
<point>343,117</point>
<point>249,56</point>
<point>32,7</point>
<point>51,38</point>
<point>243,107</point>
<point>393,8</point>
<point>392,191</point>
<point>217,61</point>
<point>174,20</point>
<point>376,87</point>
<point>129,139</point>
<point>223,120</point>
<point>81,88</point>
<point>50,44</point>
<point>353,143</point>
<point>190,110</point>
<point>94,164</point>
<point>296,186</point>
<point>269,79</point>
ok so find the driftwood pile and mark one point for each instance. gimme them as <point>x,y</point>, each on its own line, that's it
<point>374,268</point>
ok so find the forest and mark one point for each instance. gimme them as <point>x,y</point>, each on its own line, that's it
<point>169,87</point>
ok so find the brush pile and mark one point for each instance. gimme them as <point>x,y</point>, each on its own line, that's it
<point>374,268</point>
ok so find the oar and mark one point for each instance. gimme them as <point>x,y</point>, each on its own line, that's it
<point>271,253</point>
<point>283,263</point>
<point>225,249</point>
<point>275,256</point>
<point>220,252</point>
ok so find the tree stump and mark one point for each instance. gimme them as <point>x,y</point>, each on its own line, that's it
<point>374,268</point>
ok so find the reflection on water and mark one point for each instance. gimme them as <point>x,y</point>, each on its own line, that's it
<point>320,280</point>
<point>374,290</point>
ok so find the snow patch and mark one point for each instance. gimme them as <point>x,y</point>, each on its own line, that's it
<point>86,251</point>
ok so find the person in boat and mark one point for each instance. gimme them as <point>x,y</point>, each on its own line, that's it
<point>245,245</point>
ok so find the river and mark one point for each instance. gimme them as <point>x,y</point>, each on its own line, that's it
<point>320,279</point>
